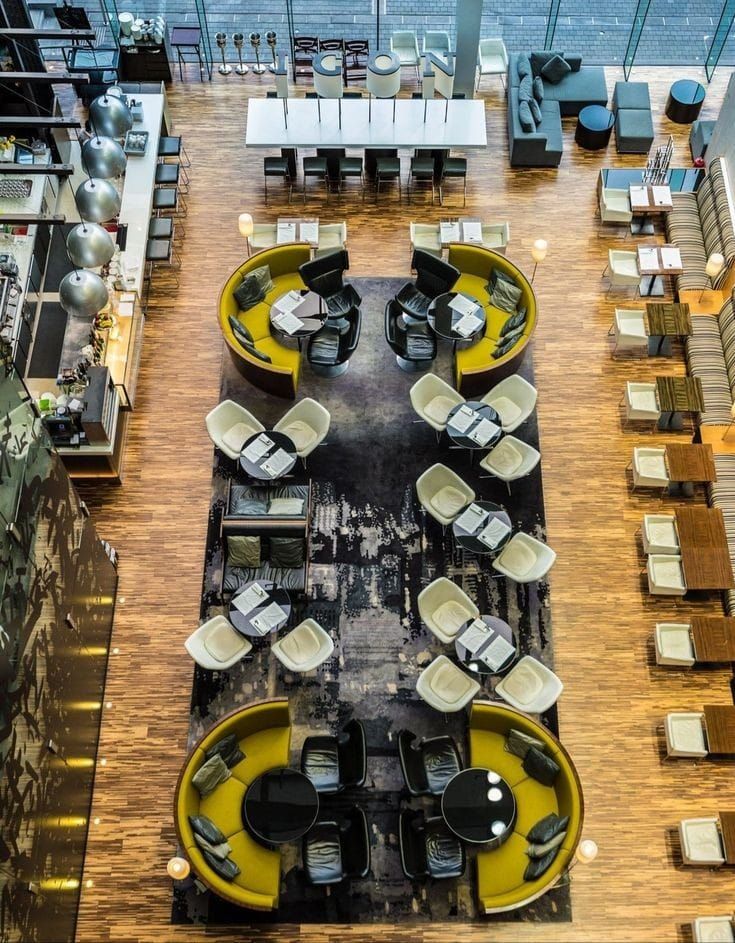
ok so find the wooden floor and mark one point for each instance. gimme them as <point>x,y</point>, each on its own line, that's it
<point>614,698</point>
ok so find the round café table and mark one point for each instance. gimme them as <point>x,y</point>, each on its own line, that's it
<point>312,312</point>
<point>685,101</point>
<point>255,469</point>
<point>443,319</point>
<point>594,127</point>
<point>243,622</point>
<point>471,542</point>
<point>473,660</point>
<point>280,806</point>
<point>478,805</point>
<point>481,411</point>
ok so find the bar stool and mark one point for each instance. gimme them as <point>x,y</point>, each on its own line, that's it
<point>422,172</point>
<point>162,227</point>
<point>277,167</point>
<point>351,167</point>
<point>167,175</point>
<point>168,200</point>
<point>173,146</point>
<point>161,252</point>
<point>315,167</point>
<point>183,38</point>
<point>386,169</point>
<point>454,167</point>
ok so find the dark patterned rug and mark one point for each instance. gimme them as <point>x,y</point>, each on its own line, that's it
<point>372,550</point>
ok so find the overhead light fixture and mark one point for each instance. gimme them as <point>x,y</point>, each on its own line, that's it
<point>89,245</point>
<point>98,201</point>
<point>103,157</point>
<point>82,293</point>
<point>109,115</point>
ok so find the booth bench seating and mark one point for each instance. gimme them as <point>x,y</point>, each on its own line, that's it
<point>711,357</point>
<point>721,495</point>
<point>263,730</point>
<point>500,883</point>
<point>475,370</point>
<point>281,375</point>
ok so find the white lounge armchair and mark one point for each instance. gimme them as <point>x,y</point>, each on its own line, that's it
<point>713,929</point>
<point>492,58</point>
<point>306,424</point>
<point>438,42</point>
<point>629,331</point>
<point>514,399</point>
<point>701,843</point>
<point>649,468</point>
<point>510,460</point>
<point>332,236</point>
<point>615,206</point>
<point>496,236</point>
<point>443,494</point>
<point>426,236</point>
<point>685,735</point>
<point>659,534</point>
<point>530,686</point>
<point>405,45</point>
<point>524,559</point>
<point>303,648</point>
<point>444,608</point>
<point>433,399</point>
<point>641,403</point>
<point>673,644</point>
<point>446,687</point>
<point>623,269</point>
<point>665,575</point>
<point>216,645</point>
<point>230,426</point>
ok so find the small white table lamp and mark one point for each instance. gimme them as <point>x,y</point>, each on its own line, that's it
<point>715,264</point>
<point>587,851</point>
<point>178,869</point>
<point>538,254</point>
<point>245,225</point>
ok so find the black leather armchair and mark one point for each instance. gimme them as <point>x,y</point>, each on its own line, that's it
<point>428,764</point>
<point>335,763</point>
<point>428,848</point>
<point>434,277</point>
<point>335,851</point>
<point>324,275</point>
<point>413,343</point>
<point>330,349</point>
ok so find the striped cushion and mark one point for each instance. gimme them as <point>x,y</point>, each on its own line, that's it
<point>706,360</point>
<point>722,495</point>
<point>684,229</point>
<point>724,216</point>
<point>726,323</point>
<point>708,218</point>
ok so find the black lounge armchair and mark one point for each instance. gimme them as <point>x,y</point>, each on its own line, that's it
<point>330,349</point>
<point>427,764</point>
<point>324,276</point>
<point>335,763</point>
<point>413,343</point>
<point>428,848</point>
<point>434,277</point>
<point>336,851</point>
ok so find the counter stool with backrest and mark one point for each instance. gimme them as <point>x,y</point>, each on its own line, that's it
<point>162,227</point>
<point>173,146</point>
<point>168,200</point>
<point>315,167</point>
<point>422,172</point>
<point>167,175</point>
<point>277,167</point>
<point>387,169</point>
<point>351,167</point>
<point>454,168</point>
<point>184,38</point>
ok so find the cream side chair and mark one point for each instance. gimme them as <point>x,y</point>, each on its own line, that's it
<point>405,45</point>
<point>641,402</point>
<point>649,468</point>
<point>306,424</point>
<point>713,929</point>
<point>433,399</point>
<point>446,687</point>
<point>444,608</point>
<point>510,460</point>
<point>438,42</point>
<point>623,269</point>
<point>659,534</point>
<point>615,206</point>
<point>230,426</point>
<point>530,686</point>
<point>332,236</point>
<point>426,236</point>
<point>629,330</point>
<point>673,644</point>
<point>524,559</point>
<point>303,648</point>
<point>492,59</point>
<point>701,843</point>
<point>665,575</point>
<point>685,737</point>
<point>264,236</point>
<point>496,236</point>
<point>443,494</point>
<point>514,399</point>
<point>216,645</point>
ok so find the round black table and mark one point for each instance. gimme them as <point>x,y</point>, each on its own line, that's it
<point>473,661</point>
<point>481,411</point>
<point>443,320</point>
<point>478,805</point>
<point>312,312</point>
<point>243,622</point>
<point>280,806</point>
<point>594,126</point>
<point>685,101</point>
<point>255,469</point>
<point>470,541</point>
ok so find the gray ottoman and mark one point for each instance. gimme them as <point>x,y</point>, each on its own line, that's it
<point>700,136</point>
<point>631,95</point>
<point>633,130</point>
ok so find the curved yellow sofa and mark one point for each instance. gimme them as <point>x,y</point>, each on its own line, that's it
<point>475,371</point>
<point>263,730</point>
<point>281,376</point>
<point>500,884</point>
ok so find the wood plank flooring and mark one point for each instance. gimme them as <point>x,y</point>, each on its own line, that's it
<point>614,698</point>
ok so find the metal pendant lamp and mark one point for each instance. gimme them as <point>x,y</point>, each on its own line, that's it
<point>103,157</point>
<point>89,246</point>
<point>97,200</point>
<point>110,116</point>
<point>82,293</point>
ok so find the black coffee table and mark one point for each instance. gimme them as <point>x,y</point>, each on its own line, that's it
<point>312,311</point>
<point>255,469</point>
<point>280,806</point>
<point>594,126</point>
<point>442,319</point>
<point>481,411</point>
<point>478,805</point>
<point>685,101</point>
<point>473,661</point>
<point>243,622</point>
<point>469,541</point>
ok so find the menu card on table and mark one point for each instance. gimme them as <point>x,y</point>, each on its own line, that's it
<point>648,258</point>
<point>285,232</point>
<point>463,304</point>
<point>268,619</point>
<point>497,653</point>
<point>449,231</point>
<point>638,197</point>
<point>310,232</point>
<point>475,636</point>
<point>661,196</point>
<point>483,432</point>
<point>290,301</point>
<point>472,231</point>
<point>288,322</point>
<point>471,518</point>
<point>277,463</point>
<point>467,324</point>
<point>258,448</point>
<point>463,419</point>
<point>250,598</point>
<point>493,533</point>
<point>670,257</point>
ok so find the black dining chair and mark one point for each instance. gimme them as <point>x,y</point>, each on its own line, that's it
<point>428,848</point>
<point>412,342</point>
<point>335,851</point>
<point>434,277</point>
<point>427,764</point>
<point>324,275</point>
<point>336,763</point>
<point>330,349</point>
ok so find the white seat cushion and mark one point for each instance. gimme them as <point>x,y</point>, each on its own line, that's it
<point>714,930</point>
<point>505,458</point>
<point>687,735</point>
<point>223,643</point>
<point>508,410</point>
<point>300,433</point>
<point>518,558</point>
<point>669,574</point>
<point>677,643</point>
<point>451,616</point>
<point>632,327</point>
<point>644,400</point>
<point>301,645</point>
<point>523,684</point>
<point>448,501</point>
<point>652,466</point>
<point>663,534</point>
<point>451,684</point>
<point>439,408</point>
<point>236,436</point>
<point>702,841</point>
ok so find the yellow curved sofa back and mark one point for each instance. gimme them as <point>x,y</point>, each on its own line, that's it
<point>500,884</point>
<point>475,264</point>
<point>263,730</point>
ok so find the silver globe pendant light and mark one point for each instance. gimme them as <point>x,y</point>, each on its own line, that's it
<point>103,157</point>
<point>82,293</point>
<point>110,116</point>
<point>89,246</point>
<point>97,200</point>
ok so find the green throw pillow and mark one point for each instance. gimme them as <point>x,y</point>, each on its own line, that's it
<point>288,551</point>
<point>555,70</point>
<point>505,295</point>
<point>258,354</point>
<point>287,507</point>
<point>525,117</point>
<point>254,287</point>
<point>537,866</point>
<point>535,111</point>
<point>545,829</point>
<point>503,347</point>
<point>516,320</point>
<point>540,851</point>
<point>243,551</point>
<point>541,767</point>
<point>525,89</point>
<point>512,336</point>
<point>210,775</point>
<point>523,65</point>
<point>220,852</point>
<point>250,507</point>
<point>240,331</point>
<point>519,743</point>
<point>205,827</point>
<point>226,869</point>
<point>229,749</point>
<point>538,89</point>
